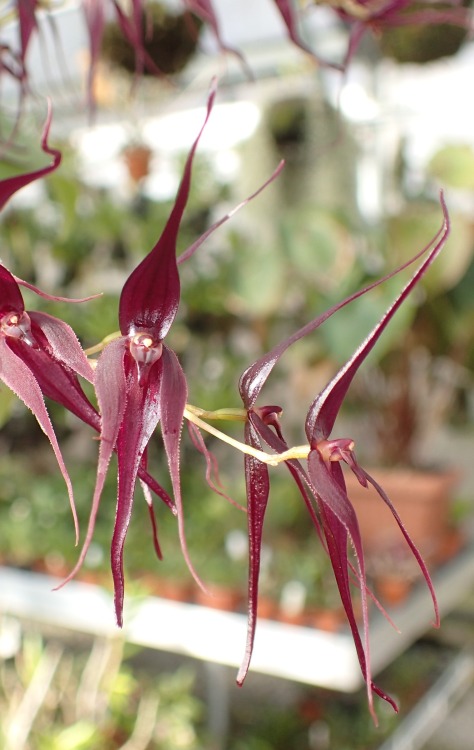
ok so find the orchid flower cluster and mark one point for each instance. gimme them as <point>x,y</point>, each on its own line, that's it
<point>138,380</point>
<point>140,386</point>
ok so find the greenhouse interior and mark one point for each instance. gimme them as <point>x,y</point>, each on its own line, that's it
<point>236,375</point>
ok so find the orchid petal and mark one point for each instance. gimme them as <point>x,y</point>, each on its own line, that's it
<point>212,469</point>
<point>11,185</point>
<point>173,397</point>
<point>10,299</point>
<point>54,297</point>
<point>110,387</point>
<point>254,378</point>
<point>65,346</point>
<point>258,488</point>
<point>325,408</point>
<point>192,248</point>
<point>411,544</point>
<point>18,377</point>
<point>112,396</point>
<point>150,296</point>
<point>56,380</point>
<point>135,427</point>
<point>52,353</point>
<point>340,524</point>
<point>151,511</point>
<point>279,445</point>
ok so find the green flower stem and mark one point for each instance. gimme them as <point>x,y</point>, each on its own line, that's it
<point>266,458</point>
<point>102,344</point>
<point>231,415</point>
<point>193,414</point>
<point>297,452</point>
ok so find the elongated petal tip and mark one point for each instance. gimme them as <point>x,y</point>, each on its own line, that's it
<point>151,294</point>
<point>11,185</point>
<point>323,411</point>
<point>11,299</point>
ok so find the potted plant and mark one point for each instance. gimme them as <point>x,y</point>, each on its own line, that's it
<point>137,157</point>
<point>169,42</point>
<point>424,43</point>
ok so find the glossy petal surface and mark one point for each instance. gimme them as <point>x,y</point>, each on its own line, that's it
<point>150,297</point>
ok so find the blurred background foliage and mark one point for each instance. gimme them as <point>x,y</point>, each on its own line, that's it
<point>102,694</point>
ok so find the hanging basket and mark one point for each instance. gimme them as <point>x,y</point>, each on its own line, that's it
<point>170,41</point>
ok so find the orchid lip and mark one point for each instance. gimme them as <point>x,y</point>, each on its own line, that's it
<point>17,325</point>
<point>145,350</point>
<point>335,450</point>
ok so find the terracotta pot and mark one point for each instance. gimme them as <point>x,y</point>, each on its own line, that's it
<point>137,159</point>
<point>267,608</point>
<point>422,500</point>
<point>392,590</point>
<point>324,618</point>
<point>291,618</point>
<point>451,544</point>
<point>176,590</point>
<point>219,597</point>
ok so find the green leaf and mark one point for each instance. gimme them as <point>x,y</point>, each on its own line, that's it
<point>79,736</point>
<point>453,166</point>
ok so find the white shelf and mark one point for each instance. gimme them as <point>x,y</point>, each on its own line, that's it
<point>295,653</point>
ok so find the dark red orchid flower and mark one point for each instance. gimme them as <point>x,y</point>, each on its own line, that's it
<point>139,381</point>
<point>50,350</point>
<point>40,355</point>
<point>321,483</point>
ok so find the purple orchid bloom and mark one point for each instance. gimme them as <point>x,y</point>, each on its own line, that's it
<point>55,357</point>
<point>40,355</point>
<point>321,484</point>
<point>139,381</point>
